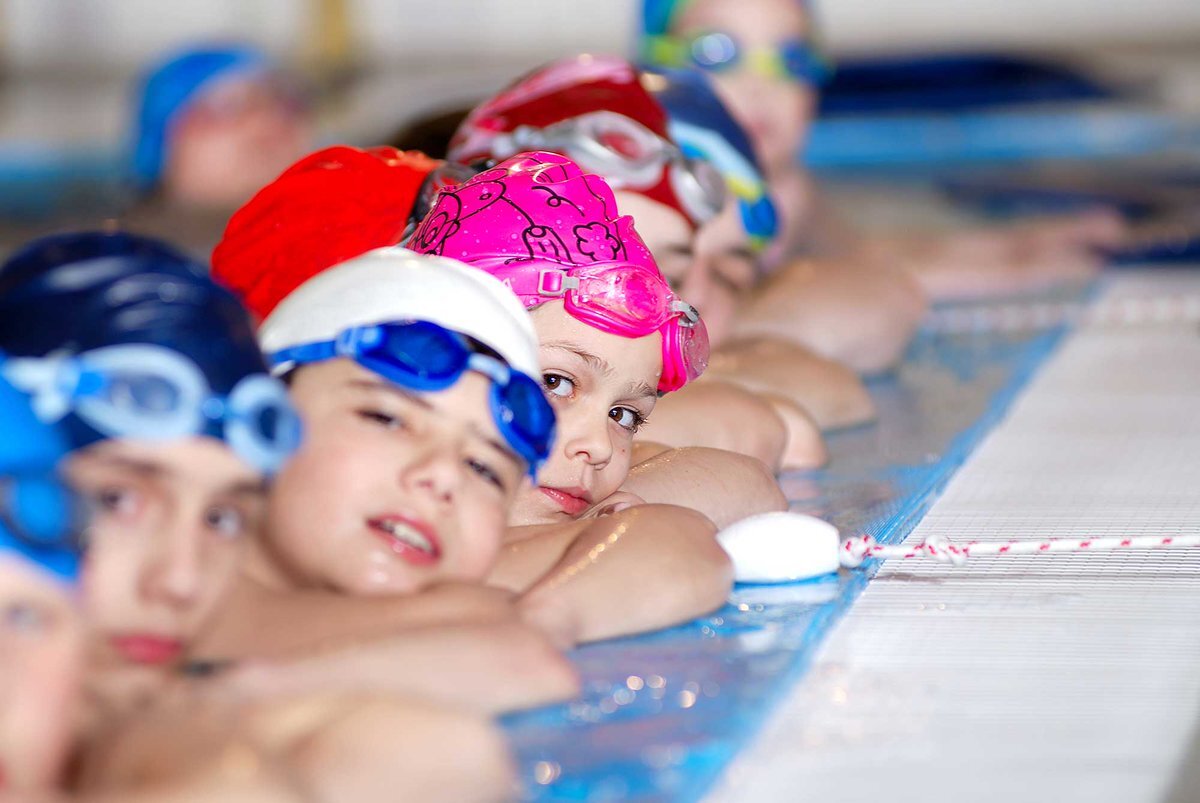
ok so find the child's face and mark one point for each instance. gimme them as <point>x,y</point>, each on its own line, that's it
<point>391,491</point>
<point>711,269</point>
<point>602,387</point>
<point>234,139</point>
<point>41,666</point>
<point>169,527</point>
<point>775,111</point>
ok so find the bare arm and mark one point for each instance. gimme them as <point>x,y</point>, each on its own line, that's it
<point>647,567</point>
<point>723,486</point>
<point>832,393</point>
<point>490,668</point>
<point>258,622</point>
<point>853,312</point>
<point>328,748</point>
<point>391,750</point>
<point>734,419</point>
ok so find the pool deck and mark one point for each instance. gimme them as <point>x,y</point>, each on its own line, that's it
<point>1027,678</point>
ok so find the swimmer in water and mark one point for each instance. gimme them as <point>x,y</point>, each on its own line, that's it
<point>214,124</point>
<point>594,109</point>
<point>767,62</point>
<point>177,425</point>
<point>613,336</point>
<point>374,570</point>
<point>285,749</point>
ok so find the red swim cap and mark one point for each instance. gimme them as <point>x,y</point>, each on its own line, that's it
<point>330,206</point>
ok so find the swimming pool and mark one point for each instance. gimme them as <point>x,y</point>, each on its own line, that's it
<point>662,714</point>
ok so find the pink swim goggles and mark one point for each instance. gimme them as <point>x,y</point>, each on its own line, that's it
<point>627,300</point>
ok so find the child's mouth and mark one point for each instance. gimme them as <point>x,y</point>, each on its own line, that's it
<point>412,540</point>
<point>571,501</point>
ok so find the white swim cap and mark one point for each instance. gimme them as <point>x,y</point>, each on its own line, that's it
<point>391,285</point>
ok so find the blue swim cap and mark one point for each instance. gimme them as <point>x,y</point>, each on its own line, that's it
<point>703,128</point>
<point>169,88</point>
<point>70,299</point>
<point>38,520</point>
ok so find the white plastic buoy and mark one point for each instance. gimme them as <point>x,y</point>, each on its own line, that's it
<point>780,547</point>
<point>786,547</point>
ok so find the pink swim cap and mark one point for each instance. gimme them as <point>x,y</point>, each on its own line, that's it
<point>537,206</point>
<point>548,230</point>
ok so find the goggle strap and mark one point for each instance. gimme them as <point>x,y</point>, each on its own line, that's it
<point>546,283</point>
<point>304,354</point>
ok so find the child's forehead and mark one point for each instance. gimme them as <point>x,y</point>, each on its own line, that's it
<point>770,18</point>
<point>623,360</point>
<point>199,464</point>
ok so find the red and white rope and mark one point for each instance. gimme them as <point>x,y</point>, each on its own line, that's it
<point>858,548</point>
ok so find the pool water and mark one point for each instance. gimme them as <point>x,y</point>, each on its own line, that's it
<point>662,714</point>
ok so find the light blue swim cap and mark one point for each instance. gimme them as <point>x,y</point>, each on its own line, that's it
<point>39,515</point>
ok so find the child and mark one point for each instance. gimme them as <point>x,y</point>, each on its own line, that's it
<point>594,110</point>
<point>768,65</point>
<point>214,124</point>
<point>282,750</point>
<point>410,467</point>
<point>612,334</point>
<point>725,263</point>
<point>156,377</point>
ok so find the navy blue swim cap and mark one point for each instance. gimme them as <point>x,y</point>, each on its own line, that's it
<point>74,293</point>
<point>37,521</point>
<point>703,128</point>
<point>169,88</point>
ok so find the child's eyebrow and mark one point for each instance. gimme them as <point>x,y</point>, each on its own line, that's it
<point>246,488</point>
<point>592,360</point>
<point>143,468</point>
<point>641,390</point>
<point>388,387</point>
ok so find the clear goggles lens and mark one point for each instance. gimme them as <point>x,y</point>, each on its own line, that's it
<point>151,392</point>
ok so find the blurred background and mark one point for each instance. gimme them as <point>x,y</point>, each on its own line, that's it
<point>67,63</point>
<point>67,72</point>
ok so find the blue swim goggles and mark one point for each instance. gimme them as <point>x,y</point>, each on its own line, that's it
<point>422,356</point>
<point>145,391</point>
<point>41,519</point>
<point>793,59</point>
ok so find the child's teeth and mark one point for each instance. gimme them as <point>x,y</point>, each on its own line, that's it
<point>408,535</point>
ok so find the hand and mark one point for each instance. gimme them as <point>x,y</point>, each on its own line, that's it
<point>615,503</point>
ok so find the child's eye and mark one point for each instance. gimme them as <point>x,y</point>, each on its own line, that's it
<point>558,385</point>
<point>627,418</point>
<point>26,617</point>
<point>385,420</point>
<point>119,501</point>
<point>225,521</point>
<point>486,471</point>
